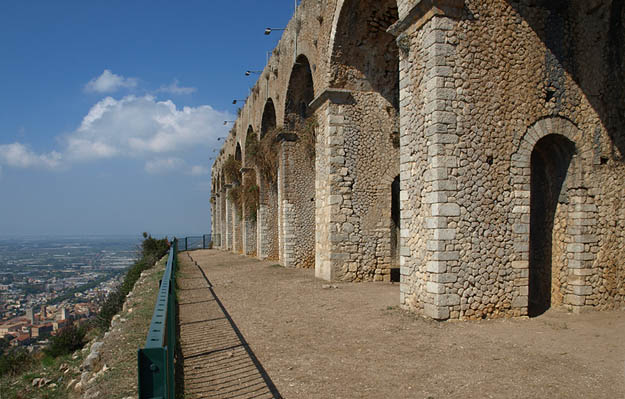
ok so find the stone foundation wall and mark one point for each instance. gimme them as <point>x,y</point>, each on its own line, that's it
<point>371,162</point>
<point>249,237</point>
<point>268,236</point>
<point>299,205</point>
<point>237,230</point>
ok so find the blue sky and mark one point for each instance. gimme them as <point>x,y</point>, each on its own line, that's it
<point>110,111</point>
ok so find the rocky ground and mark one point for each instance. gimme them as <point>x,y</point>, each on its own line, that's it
<point>350,340</point>
<point>109,366</point>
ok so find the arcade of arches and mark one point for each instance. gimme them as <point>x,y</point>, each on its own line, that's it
<point>471,151</point>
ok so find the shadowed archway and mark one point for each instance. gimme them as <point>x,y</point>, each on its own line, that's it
<point>550,163</point>
<point>269,118</point>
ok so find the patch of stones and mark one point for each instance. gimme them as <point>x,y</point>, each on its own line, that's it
<point>92,367</point>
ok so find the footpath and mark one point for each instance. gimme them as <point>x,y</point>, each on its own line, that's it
<point>253,329</point>
<point>217,362</point>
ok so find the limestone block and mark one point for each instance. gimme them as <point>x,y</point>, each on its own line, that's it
<point>436,312</point>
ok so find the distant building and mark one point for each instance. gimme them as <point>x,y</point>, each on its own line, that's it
<point>22,340</point>
<point>62,314</point>
<point>12,326</point>
<point>30,315</point>
<point>58,324</point>
<point>41,330</point>
<point>43,314</point>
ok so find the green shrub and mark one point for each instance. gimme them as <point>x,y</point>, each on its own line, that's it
<point>15,361</point>
<point>67,340</point>
<point>152,250</point>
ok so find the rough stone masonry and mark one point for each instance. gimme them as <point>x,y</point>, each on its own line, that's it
<point>472,150</point>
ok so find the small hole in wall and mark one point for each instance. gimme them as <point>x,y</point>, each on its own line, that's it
<point>489,159</point>
<point>603,160</point>
<point>550,94</point>
<point>312,199</point>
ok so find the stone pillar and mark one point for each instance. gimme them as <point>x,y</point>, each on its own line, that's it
<point>213,216</point>
<point>229,225</point>
<point>280,206</point>
<point>268,215</point>
<point>249,222</point>
<point>429,256</point>
<point>442,266</point>
<point>237,238</point>
<point>262,231</point>
<point>329,257</point>
<point>582,250</point>
<point>287,211</point>
<point>222,221</point>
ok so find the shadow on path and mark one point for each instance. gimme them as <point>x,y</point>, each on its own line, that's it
<point>217,361</point>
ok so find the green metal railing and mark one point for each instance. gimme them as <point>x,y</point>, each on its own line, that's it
<point>156,360</point>
<point>195,242</point>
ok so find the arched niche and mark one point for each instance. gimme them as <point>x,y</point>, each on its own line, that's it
<point>300,92</point>
<point>269,118</point>
<point>237,153</point>
<point>550,162</point>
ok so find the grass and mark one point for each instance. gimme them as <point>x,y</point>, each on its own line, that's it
<point>119,351</point>
<point>49,368</point>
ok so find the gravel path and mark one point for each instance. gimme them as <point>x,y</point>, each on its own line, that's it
<point>350,340</point>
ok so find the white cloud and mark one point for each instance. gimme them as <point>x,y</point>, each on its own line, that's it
<point>164,165</point>
<point>108,82</point>
<point>173,88</point>
<point>19,156</point>
<point>139,126</point>
<point>199,170</point>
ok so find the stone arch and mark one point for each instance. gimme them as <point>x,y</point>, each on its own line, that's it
<point>300,92</point>
<point>269,118</point>
<point>268,212</point>
<point>364,56</point>
<point>364,71</point>
<point>238,156</point>
<point>550,162</point>
<point>248,134</point>
<point>297,170</point>
<point>550,196</point>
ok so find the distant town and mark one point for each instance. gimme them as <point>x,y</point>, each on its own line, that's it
<point>47,283</point>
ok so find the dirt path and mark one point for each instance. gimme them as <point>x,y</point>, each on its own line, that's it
<point>353,342</point>
<point>217,361</point>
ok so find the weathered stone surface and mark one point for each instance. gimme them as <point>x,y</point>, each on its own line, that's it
<point>459,106</point>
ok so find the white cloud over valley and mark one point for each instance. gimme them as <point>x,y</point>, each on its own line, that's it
<point>18,155</point>
<point>173,88</point>
<point>108,82</point>
<point>136,126</point>
<point>133,127</point>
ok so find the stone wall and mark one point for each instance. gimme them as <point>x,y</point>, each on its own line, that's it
<point>509,117</point>
<point>298,205</point>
